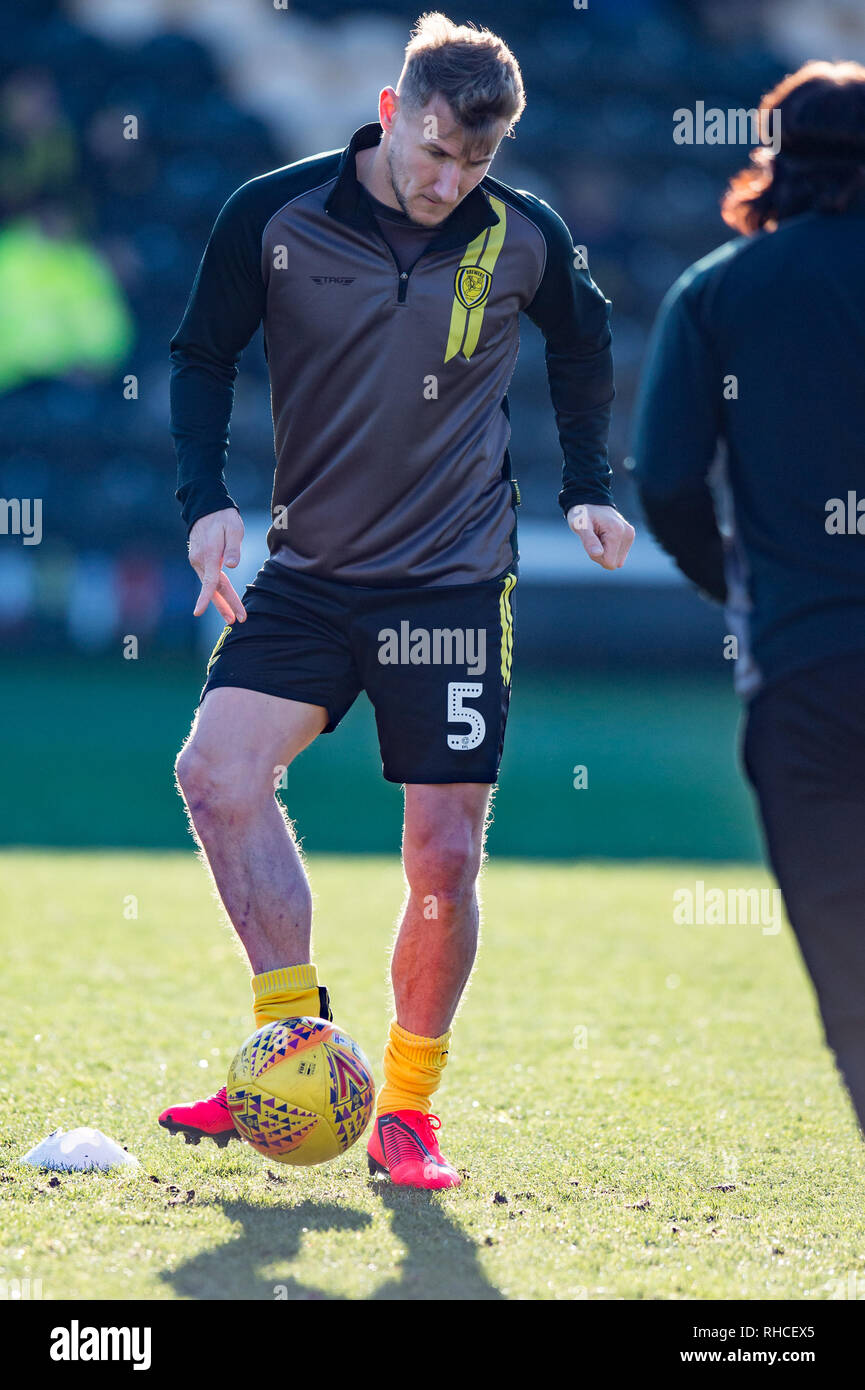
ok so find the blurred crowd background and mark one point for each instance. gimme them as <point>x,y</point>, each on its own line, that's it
<point>125,124</point>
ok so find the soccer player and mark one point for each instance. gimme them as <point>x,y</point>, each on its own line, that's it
<point>389,277</point>
<point>760,348</point>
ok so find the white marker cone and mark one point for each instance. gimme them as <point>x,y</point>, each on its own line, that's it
<point>80,1150</point>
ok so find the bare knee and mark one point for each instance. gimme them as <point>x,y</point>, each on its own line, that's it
<point>444,862</point>
<point>215,786</point>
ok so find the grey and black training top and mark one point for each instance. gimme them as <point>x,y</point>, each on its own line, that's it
<point>388,384</point>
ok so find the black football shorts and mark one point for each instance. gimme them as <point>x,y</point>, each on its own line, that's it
<point>434,661</point>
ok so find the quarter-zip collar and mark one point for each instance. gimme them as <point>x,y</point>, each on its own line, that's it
<point>347,203</point>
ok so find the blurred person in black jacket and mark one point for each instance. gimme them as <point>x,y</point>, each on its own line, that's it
<point>752,410</point>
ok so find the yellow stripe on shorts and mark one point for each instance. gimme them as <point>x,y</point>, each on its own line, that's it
<point>215,653</point>
<point>507,618</point>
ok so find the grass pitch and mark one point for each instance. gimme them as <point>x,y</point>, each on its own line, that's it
<point>642,1110</point>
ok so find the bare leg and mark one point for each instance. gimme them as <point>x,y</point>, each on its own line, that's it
<point>227,772</point>
<point>438,935</point>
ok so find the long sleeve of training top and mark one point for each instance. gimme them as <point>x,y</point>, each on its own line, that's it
<point>574,317</point>
<point>225,309</point>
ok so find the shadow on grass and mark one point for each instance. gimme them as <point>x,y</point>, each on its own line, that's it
<point>440,1260</point>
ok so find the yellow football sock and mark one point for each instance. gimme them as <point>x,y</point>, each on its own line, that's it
<point>413,1068</point>
<point>292,992</point>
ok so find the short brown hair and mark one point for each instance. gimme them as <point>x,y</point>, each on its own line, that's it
<point>820,164</point>
<point>472,69</point>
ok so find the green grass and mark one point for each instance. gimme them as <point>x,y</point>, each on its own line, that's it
<point>703,1067</point>
<point>659,752</point>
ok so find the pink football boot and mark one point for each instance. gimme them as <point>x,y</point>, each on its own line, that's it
<point>202,1119</point>
<point>404,1145</point>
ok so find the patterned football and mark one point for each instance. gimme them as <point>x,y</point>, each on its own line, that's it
<point>300,1091</point>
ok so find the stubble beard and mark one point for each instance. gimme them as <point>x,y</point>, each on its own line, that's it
<point>397,191</point>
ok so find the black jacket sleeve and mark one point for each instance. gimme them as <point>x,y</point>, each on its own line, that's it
<point>224,310</point>
<point>574,317</point>
<point>678,425</point>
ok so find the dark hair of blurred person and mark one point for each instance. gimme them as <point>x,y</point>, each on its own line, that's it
<point>820,165</point>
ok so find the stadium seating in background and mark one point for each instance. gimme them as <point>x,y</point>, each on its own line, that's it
<point>596,139</point>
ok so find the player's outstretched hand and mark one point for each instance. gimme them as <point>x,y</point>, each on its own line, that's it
<point>606,535</point>
<point>214,542</point>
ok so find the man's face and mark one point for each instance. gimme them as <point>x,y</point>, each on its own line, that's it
<point>431,167</point>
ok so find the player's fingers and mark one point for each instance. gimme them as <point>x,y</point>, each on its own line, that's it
<point>621,542</point>
<point>607,553</point>
<point>229,595</point>
<point>209,581</point>
<point>223,608</point>
<point>625,542</point>
<point>617,536</point>
<point>592,542</point>
<point>586,527</point>
<point>231,558</point>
